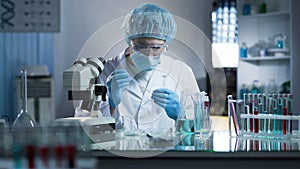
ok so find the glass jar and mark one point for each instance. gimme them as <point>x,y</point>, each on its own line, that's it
<point>279,40</point>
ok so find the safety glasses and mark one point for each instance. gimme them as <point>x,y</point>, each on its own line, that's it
<point>155,48</point>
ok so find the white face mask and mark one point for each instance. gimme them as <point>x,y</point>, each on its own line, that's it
<point>143,62</point>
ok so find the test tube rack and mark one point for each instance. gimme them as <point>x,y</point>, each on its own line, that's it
<point>261,124</point>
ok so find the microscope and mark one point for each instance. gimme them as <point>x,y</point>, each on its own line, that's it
<point>81,82</point>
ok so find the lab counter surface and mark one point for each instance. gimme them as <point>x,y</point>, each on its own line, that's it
<point>171,150</point>
<point>218,151</point>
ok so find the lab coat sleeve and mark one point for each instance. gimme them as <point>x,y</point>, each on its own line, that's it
<point>109,67</point>
<point>116,115</point>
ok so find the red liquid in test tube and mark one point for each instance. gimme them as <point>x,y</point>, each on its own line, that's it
<point>246,128</point>
<point>30,156</point>
<point>256,145</point>
<point>256,124</point>
<point>59,155</point>
<point>44,152</point>
<point>283,146</point>
<point>290,112</point>
<point>284,121</point>
<point>71,150</point>
<point>206,104</point>
<point>251,113</point>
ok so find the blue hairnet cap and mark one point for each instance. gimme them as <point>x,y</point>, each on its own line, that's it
<point>149,21</point>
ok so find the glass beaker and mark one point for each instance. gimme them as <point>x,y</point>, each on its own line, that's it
<point>202,120</point>
<point>24,120</point>
<point>185,120</point>
<point>129,126</point>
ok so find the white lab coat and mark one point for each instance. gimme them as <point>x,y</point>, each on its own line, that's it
<point>136,104</point>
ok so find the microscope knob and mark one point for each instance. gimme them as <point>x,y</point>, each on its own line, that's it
<point>101,90</point>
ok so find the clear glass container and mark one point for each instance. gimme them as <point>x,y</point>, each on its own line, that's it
<point>24,120</point>
<point>272,86</point>
<point>279,40</point>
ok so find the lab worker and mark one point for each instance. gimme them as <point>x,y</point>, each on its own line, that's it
<point>144,84</point>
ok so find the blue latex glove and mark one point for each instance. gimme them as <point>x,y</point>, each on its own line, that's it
<point>168,100</point>
<point>120,80</point>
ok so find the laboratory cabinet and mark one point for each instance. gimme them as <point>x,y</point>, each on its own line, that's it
<point>259,30</point>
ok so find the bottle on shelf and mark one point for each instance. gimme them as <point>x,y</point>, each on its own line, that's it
<point>255,87</point>
<point>263,48</point>
<point>244,50</point>
<point>279,40</point>
<point>244,90</point>
<point>272,86</point>
<point>247,8</point>
<point>262,6</point>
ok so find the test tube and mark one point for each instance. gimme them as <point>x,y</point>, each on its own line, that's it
<point>255,113</point>
<point>265,145</point>
<point>256,121</point>
<point>31,150</point>
<point>275,110</point>
<point>240,109</point>
<point>280,112</point>
<point>265,111</point>
<point>290,113</point>
<point>270,111</point>
<point>260,112</point>
<point>246,100</point>
<point>59,144</point>
<point>44,146</point>
<point>246,108</point>
<point>251,109</point>
<point>285,113</point>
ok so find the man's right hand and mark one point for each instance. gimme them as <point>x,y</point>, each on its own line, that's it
<point>120,80</point>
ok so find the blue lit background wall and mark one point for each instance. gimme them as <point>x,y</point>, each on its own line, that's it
<point>18,50</point>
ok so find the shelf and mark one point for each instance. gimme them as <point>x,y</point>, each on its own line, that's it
<point>268,14</point>
<point>265,58</point>
<point>274,50</point>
